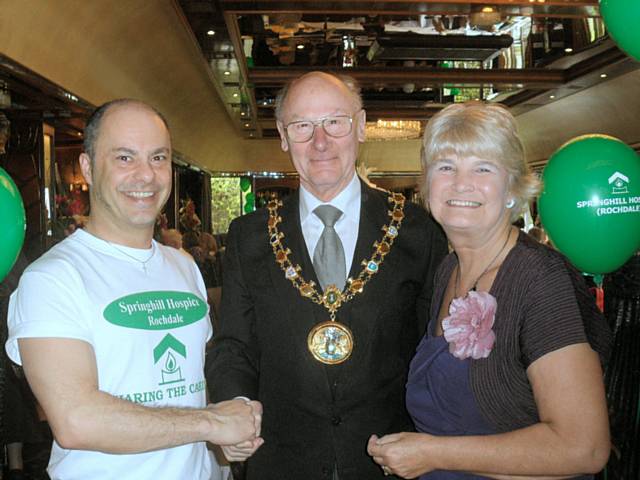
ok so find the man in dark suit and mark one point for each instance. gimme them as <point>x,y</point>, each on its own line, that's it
<point>321,338</point>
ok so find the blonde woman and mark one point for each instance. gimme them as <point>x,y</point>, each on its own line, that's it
<point>507,382</point>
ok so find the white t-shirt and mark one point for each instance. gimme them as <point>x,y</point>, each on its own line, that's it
<point>145,314</point>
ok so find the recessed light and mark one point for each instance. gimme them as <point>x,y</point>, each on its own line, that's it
<point>227,72</point>
<point>300,47</point>
<point>242,114</point>
<point>247,125</point>
<point>265,103</point>
<point>568,49</point>
<point>211,33</point>
<point>487,10</point>
<point>79,134</point>
<point>552,97</point>
<point>603,75</point>
<point>235,95</point>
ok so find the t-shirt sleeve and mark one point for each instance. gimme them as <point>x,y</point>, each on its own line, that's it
<point>46,305</point>
<point>551,316</point>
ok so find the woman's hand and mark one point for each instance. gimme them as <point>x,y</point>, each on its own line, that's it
<point>403,454</point>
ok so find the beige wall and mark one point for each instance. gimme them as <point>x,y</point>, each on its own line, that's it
<point>612,108</point>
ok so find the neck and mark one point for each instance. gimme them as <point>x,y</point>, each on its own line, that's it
<point>484,256</point>
<point>329,193</point>
<point>136,238</point>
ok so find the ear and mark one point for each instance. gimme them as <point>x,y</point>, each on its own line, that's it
<point>361,123</point>
<point>284,144</point>
<point>85,167</point>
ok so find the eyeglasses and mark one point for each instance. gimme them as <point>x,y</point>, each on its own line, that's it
<point>303,130</point>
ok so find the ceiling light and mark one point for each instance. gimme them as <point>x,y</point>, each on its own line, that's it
<point>568,49</point>
<point>235,95</point>
<point>603,75</point>
<point>242,114</point>
<point>300,47</point>
<point>487,10</point>
<point>247,125</point>
<point>227,72</point>
<point>552,97</point>
<point>211,33</point>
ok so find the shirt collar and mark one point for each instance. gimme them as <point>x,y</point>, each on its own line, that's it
<point>347,200</point>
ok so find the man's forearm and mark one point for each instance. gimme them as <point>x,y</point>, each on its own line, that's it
<point>108,424</point>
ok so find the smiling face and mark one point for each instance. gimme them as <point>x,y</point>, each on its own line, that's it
<point>130,174</point>
<point>469,195</point>
<point>325,164</point>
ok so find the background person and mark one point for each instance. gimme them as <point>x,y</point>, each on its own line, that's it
<point>507,381</point>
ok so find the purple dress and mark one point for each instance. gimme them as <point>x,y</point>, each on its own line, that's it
<point>440,400</point>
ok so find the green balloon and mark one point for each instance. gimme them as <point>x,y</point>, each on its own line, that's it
<point>590,203</point>
<point>12,223</point>
<point>245,183</point>
<point>248,208</point>
<point>250,198</point>
<point>622,17</point>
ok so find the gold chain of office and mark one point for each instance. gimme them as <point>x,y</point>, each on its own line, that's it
<point>331,342</point>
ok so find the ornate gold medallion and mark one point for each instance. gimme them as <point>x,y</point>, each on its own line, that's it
<point>330,342</point>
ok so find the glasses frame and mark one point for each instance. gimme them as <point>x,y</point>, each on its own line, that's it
<point>320,122</point>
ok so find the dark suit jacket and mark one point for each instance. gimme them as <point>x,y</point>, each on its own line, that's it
<point>317,416</point>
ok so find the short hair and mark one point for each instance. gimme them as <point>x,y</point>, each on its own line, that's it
<point>92,127</point>
<point>171,237</point>
<point>350,83</point>
<point>483,130</point>
<point>208,242</point>
<point>190,239</point>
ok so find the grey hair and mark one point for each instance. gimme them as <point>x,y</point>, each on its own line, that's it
<point>349,82</point>
<point>483,130</point>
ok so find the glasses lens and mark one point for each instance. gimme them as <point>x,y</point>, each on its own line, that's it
<point>337,126</point>
<point>300,131</point>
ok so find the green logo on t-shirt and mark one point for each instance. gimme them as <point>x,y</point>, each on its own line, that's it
<point>156,310</point>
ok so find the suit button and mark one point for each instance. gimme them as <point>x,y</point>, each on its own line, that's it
<point>336,420</point>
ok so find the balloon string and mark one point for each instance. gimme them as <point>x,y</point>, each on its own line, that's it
<point>598,292</point>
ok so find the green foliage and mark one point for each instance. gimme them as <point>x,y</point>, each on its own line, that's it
<point>225,202</point>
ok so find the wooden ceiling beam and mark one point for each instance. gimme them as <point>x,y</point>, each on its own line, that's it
<point>550,8</point>
<point>374,77</point>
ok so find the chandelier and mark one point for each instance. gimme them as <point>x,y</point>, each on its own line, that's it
<point>393,130</point>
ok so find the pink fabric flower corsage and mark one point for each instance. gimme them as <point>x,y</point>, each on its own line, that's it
<point>468,328</point>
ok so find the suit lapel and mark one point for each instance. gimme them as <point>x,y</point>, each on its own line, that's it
<point>303,314</point>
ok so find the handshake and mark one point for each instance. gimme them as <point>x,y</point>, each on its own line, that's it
<point>236,427</point>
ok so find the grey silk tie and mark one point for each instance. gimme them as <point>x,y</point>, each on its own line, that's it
<point>328,257</point>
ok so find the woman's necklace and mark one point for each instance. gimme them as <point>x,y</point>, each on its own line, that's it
<point>142,262</point>
<point>475,284</point>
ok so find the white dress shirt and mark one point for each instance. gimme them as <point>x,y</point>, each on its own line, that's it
<point>348,201</point>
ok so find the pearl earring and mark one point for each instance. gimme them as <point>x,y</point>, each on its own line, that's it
<point>511,203</point>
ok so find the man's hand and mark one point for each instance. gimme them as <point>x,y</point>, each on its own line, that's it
<point>242,449</point>
<point>237,422</point>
